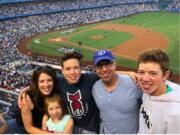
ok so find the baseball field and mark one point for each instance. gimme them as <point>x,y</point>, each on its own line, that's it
<point>125,37</point>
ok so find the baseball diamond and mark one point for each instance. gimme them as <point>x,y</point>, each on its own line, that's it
<point>125,37</point>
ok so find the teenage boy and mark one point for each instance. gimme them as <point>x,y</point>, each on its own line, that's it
<point>75,89</point>
<point>160,113</point>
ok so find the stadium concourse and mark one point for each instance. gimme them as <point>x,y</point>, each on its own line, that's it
<point>24,18</point>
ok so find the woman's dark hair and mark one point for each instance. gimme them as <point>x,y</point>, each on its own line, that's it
<point>72,55</point>
<point>54,98</point>
<point>34,88</point>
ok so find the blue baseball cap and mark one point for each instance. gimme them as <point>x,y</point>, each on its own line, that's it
<point>102,55</point>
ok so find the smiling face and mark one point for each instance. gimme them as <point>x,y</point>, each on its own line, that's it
<point>45,84</point>
<point>151,78</point>
<point>71,70</point>
<point>54,110</point>
<point>105,69</point>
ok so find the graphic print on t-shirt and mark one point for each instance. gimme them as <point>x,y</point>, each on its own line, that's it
<point>146,117</point>
<point>76,103</point>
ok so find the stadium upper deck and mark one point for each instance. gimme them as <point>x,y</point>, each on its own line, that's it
<point>38,7</point>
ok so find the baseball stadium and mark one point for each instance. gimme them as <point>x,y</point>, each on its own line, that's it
<point>39,32</point>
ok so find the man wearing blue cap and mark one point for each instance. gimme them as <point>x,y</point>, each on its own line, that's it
<point>116,95</point>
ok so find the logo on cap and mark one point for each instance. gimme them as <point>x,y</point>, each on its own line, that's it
<point>101,52</point>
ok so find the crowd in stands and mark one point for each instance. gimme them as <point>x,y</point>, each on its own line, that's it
<point>174,5</point>
<point>9,10</point>
<point>12,80</point>
<point>14,30</point>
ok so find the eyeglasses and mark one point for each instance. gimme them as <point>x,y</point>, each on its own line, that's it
<point>105,65</point>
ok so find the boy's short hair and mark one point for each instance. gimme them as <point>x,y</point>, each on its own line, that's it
<point>71,55</point>
<point>155,55</point>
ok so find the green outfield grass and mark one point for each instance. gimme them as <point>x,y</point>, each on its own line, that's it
<point>164,22</point>
<point>110,39</point>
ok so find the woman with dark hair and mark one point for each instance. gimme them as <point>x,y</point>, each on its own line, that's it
<point>43,84</point>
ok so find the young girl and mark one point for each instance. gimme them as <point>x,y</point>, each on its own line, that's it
<point>59,121</point>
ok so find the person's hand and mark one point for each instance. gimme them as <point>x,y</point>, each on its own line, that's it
<point>133,76</point>
<point>21,96</point>
<point>45,118</point>
<point>26,101</point>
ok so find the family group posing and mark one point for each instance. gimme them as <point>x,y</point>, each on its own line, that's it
<point>105,102</point>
